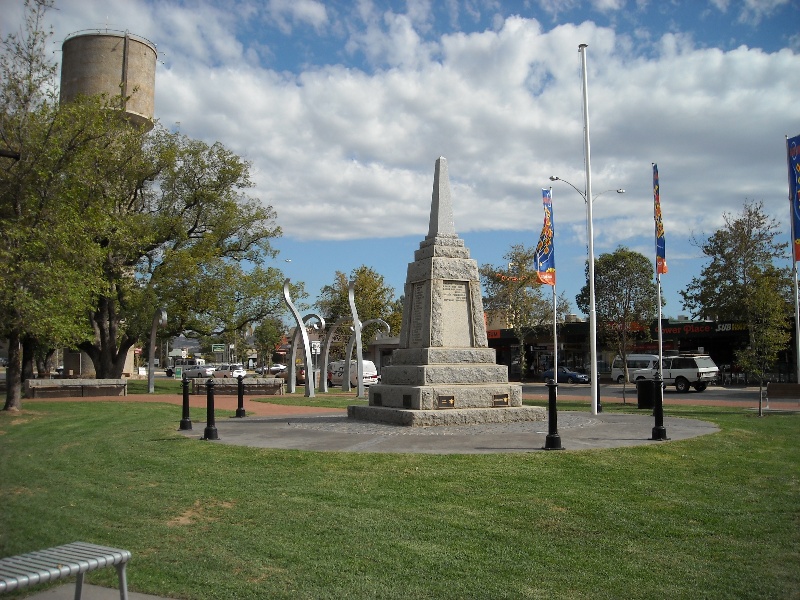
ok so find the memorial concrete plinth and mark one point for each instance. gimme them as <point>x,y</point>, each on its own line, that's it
<point>444,373</point>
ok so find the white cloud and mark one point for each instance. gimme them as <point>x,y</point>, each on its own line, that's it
<point>754,10</point>
<point>346,154</point>
<point>337,145</point>
<point>285,13</point>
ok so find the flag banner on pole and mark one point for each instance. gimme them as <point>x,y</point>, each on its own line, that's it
<point>793,157</point>
<point>545,253</point>
<point>661,243</point>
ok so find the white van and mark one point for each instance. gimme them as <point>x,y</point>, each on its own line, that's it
<point>336,373</point>
<point>635,362</point>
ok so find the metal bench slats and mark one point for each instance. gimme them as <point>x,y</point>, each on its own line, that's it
<point>77,558</point>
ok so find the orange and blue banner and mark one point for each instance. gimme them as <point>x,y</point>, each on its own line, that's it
<point>545,252</point>
<point>793,158</point>
<point>661,243</point>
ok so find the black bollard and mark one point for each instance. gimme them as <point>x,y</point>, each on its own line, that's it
<point>597,386</point>
<point>210,432</point>
<point>659,432</point>
<point>186,422</point>
<point>240,408</point>
<point>553,440</point>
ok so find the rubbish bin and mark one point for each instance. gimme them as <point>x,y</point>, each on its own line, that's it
<point>645,393</point>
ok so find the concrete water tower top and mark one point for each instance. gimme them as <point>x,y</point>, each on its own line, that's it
<point>116,63</point>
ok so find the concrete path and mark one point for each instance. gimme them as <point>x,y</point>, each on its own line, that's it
<point>335,432</point>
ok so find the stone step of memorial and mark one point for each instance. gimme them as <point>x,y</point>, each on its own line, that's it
<point>446,396</point>
<point>443,356</point>
<point>438,374</point>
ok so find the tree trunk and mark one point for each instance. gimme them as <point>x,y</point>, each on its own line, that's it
<point>28,354</point>
<point>107,357</point>
<point>14,374</point>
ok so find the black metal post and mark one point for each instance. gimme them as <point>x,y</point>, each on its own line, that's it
<point>659,432</point>
<point>597,384</point>
<point>186,422</point>
<point>210,432</point>
<point>553,440</point>
<point>240,407</point>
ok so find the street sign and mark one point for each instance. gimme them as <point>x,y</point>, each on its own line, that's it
<point>218,347</point>
<point>316,346</point>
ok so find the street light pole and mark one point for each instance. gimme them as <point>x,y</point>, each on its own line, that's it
<point>592,311</point>
<point>590,233</point>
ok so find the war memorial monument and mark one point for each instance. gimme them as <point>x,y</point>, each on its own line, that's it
<point>444,372</point>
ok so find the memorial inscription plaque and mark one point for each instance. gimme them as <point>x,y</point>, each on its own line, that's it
<point>456,315</point>
<point>416,337</point>
<point>446,402</point>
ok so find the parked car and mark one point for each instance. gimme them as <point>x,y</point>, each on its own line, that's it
<point>336,373</point>
<point>299,375</point>
<point>233,370</point>
<point>565,375</point>
<point>198,371</point>
<point>273,370</point>
<point>683,371</point>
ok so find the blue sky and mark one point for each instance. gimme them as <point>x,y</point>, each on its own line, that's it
<point>342,107</point>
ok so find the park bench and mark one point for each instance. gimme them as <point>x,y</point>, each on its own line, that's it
<point>66,388</point>
<point>783,391</point>
<point>34,568</point>
<point>226,386</point>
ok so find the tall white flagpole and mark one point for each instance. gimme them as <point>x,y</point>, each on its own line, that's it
<point>592,310</point>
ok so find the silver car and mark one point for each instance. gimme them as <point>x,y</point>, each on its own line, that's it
<point>197,371</point>
<point>234,370</point>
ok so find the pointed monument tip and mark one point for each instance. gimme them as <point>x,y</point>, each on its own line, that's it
<point>441,220</point>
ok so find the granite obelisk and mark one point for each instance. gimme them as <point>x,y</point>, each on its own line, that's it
<point>443,371</point>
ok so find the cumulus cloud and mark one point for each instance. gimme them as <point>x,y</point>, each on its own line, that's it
<point>346,150</point>
<point>505,108</point>
<point>286,13</point>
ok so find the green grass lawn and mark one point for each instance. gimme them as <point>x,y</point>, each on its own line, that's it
<point>713,517</point>
<point>161,385</point>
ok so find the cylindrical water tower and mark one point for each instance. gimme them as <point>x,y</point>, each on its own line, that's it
<point>116,63</point>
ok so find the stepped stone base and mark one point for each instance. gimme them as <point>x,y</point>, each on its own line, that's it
<point>446,396</point>
<point>455,416</point>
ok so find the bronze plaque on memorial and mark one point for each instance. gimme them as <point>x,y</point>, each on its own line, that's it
<point>500,400</point>
<point>447,401</point>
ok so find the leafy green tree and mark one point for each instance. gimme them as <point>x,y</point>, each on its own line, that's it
<point>731,286</point>
<point>770,310</point>
<point>120,221</point>
<point>514,291</point>
<point>266,336</point>
<point>743,248</point>
<point>184,236</point>
<point>374,300</point>
<point>625,298</point>
<point>48,253</point>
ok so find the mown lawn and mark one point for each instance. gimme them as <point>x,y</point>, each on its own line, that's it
<point>713,517</point>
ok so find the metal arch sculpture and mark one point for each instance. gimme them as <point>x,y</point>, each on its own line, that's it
<point>299,331</point>
<point>359,358</point>
<point>326,351</point>
<point>351,299</point>
<point>309,358</point>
